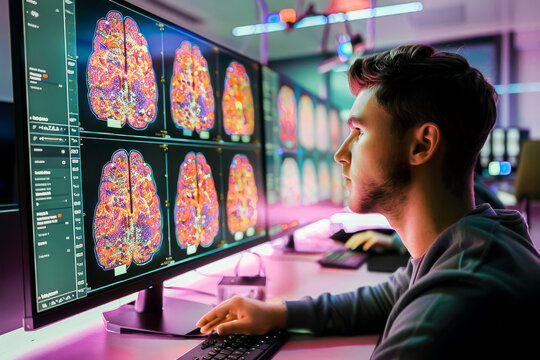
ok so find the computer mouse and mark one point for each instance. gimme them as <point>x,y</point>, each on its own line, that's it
<point>377,241</point>
<point>341,235</point>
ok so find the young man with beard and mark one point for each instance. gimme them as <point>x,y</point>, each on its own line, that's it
<point>471,287</point>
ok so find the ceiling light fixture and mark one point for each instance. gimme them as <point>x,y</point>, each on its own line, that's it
<point>318,20</point>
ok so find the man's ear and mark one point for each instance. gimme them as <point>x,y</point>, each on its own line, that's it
<point>426,140</point>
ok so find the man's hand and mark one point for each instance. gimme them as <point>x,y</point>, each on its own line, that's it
<point>239,315</point>
<point>374,240</point>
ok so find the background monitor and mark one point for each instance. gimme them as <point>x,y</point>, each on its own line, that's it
<point>302,133</point>
<point>500,154</point>
<point>140,159</point>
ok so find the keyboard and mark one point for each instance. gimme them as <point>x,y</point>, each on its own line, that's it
<point>238,347</point>
<point>344,259</point>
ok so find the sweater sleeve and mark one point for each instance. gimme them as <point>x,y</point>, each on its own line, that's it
<point>363,311</point>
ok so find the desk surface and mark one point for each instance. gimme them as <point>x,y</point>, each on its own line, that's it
<point>290,276</point>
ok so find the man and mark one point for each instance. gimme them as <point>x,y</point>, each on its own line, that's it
<point>471,288</point>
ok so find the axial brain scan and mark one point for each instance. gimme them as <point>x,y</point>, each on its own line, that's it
<point>287,117</point>
<point>127,220</point>
<point>309,183</point>
<point>337,184</point>
<point>290,182</point>
<point>121,80</point>
<point>323,140</point>
<point>196,209</point>
<point>192,98</point>
<point>335,130</point>
<point>306,127</point>
<point>237,102</point>
<point>242,196</point>
<point>324,181</point>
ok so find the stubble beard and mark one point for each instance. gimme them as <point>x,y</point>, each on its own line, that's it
<point>388,196</point>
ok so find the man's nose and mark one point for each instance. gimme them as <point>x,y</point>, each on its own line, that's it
<point>342,155</point>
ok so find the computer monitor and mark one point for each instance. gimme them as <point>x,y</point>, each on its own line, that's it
<point>302,133</point>
<point>140,159</point>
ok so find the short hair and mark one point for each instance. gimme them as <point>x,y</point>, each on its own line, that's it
<point>416,84</point>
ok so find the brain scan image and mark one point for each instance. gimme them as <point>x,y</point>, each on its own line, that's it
<point>121,81</point>
<point>287,117</point>
<point>335,130</point>
<point>323,140</point>
<point>127,220</point>
<point>192,98</point>
<point>237,102</point>
<point>324,181</point>
<point>196,208</point>
<point>242,196</point>
<point>309,183</point>
<point>337,184</point>
<point>306,131</point>
<point>290,182</point>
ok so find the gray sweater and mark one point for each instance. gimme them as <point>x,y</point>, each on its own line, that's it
<point>475,293</point>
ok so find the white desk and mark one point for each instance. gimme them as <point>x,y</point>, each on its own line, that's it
<point>290,276</point>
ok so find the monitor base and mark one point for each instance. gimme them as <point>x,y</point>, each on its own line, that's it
<point>154,313</point>
<point>290,247</point>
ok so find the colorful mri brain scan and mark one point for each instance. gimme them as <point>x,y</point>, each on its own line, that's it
<point>335,130</point>
<point>237,102</point>
<point>192,98</point>
<point>309,183</point>
<point>242,196</point>
<point>287,117</point>
<point>324,181</point>
<point>121,81</point>
<point>306,127</point>
<point>127,220</point>
<point>337,184</point>
<point>196,208</point>
<point>323,140</point>
<point>289,182</point>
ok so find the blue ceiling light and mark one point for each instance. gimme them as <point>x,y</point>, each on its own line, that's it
<point>319,20</point>
<point>344,47</point>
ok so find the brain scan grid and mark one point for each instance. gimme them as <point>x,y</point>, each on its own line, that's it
<point>237,102</point>
<point>242,196</point>
<point>196,209</point>
<point>121,80</point>
<point>127,221</point>
<point>192,98</point>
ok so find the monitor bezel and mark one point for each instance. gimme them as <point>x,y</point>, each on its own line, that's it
<point>32,318</point>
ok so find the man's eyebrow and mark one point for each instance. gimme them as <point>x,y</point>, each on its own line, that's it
<point>356,121</point>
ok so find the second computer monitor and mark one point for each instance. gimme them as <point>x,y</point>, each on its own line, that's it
<point>302,133</point>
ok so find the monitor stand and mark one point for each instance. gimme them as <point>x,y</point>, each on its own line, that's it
<point>290,247</point>
<point>154,313</point>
